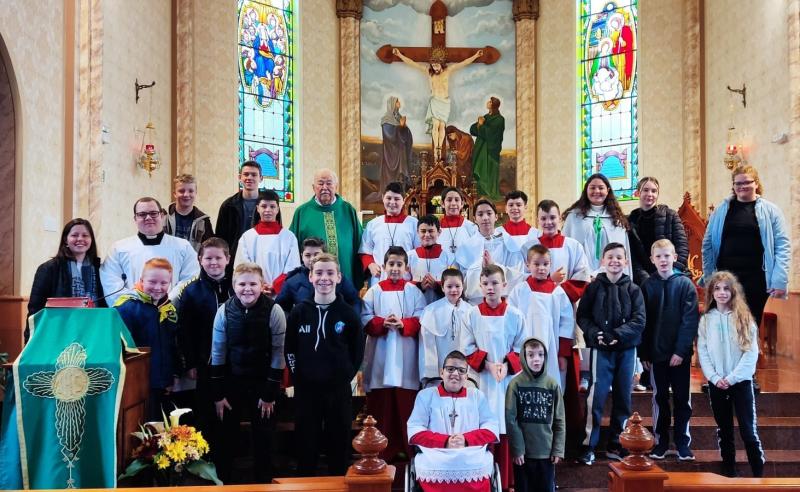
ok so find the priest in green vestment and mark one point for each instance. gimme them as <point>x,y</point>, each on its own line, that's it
<point>329,217</point>
<point>486,153</point>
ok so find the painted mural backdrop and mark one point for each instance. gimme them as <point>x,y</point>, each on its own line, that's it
<point>608,93</point>
<point>266,92</point>
<point>396,97</point>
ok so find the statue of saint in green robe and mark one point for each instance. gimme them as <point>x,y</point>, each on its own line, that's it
<point>486,153</point>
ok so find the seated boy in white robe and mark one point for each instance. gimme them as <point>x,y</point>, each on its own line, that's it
<point>427,262</point>
<point>488,248</point>
<point>443,324</point>
<point>547,310</point>
<point>516,227</point>
<point>392,308</point>
<point>452,425</point>
<point>391,229</point>
<point>269,245</point>
<point>492,340</point>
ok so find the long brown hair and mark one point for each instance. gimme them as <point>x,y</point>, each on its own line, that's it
<point>742,317</point>
<point>583,205</point>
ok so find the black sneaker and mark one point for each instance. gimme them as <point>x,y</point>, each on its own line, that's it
<point>729,470</point>
<point>685,454</point>
<point>586,458</point>
<point>616,454</point>
<point>659,452</point>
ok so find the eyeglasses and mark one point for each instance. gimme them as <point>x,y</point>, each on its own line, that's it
<point>153,214</point>
<point>739,184</point>
<point>454,369</point>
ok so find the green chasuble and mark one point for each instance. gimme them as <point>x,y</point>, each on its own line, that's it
<point>338,226</point>
<point>486,154</point>
<point>60,428</point>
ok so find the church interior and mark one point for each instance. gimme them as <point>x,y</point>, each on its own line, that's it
<point>142,92</point>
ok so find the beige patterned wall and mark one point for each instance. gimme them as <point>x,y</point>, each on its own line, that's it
<point>136,43</point>
<point>36,56</point>
<point>748,44</point>
<point>660,99</point>
<point>215,113</point>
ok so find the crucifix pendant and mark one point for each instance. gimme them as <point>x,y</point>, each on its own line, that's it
<point>453,416</point>
<point>453,247</point>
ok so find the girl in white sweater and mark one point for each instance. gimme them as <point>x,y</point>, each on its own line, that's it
<point>727,345</point>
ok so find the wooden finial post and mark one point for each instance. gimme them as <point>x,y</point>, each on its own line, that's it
<point>638,441</point>
<point>369,443</point>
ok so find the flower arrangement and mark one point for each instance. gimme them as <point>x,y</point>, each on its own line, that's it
<point>436,201</point>
<point>172,449</point>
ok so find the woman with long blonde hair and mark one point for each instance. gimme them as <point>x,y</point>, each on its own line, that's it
<point>727,346</point>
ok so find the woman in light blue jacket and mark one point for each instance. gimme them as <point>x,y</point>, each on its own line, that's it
<point>747,235</point>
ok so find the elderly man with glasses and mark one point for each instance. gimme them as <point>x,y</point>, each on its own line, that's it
<point>453,426</point>
<point>122,266</point>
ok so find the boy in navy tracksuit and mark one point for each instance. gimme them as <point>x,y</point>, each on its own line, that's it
<point>611,314</point>
<point>666,349</point>
<point>297,287</point>
<point>324,344</point>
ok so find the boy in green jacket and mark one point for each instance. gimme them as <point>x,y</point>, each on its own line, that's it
<point>535,421</point>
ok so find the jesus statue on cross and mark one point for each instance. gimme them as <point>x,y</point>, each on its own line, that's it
<point>438,73</point>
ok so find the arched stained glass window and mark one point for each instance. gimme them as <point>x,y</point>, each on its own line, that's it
<point>608,133</point>
<point>266,92</point>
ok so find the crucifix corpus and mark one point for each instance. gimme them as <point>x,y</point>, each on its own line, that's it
<point>433,62</point>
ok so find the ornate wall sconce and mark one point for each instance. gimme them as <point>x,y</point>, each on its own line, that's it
<point>148,159</point>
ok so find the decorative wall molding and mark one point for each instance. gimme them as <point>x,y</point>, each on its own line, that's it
<point>525,9</point>
<point>526,104</point>
<point>184,87</point>
<point>693,163</point>
<point>349,8</point>
<point>350,107</point>
<point>793,32</point>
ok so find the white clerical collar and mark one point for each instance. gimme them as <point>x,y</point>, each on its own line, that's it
<point>328,205</point>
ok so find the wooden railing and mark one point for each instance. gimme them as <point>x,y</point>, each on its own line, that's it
<point>637,473</point>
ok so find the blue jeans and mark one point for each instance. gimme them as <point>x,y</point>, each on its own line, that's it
<point>611,371</point>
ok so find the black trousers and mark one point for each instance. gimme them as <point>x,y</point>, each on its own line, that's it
<point>662,378</point>
<point>323,413</point>
<point>535,476</point>
<point>243,399</point>
<point>754,284</point>
<point>739,397</point>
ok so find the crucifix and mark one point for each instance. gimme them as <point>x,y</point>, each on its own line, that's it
<point>433,63</point>
<point>453,414</point>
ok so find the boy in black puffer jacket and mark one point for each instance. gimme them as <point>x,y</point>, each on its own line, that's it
<point>324,349</point>
<point>666,350</point>
<point>611,314</point>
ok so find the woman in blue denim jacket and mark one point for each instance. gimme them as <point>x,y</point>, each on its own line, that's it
<point>747,235</point>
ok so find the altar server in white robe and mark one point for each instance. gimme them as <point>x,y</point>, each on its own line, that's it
<point>456,229</point>
<point>452,425</point>
<point>268,244</point>
<point>123,264</point>
<point>443,324</point>
<point>492,340</point>
<point>569,267</point>
<point>391,229</point>
<point>391,313</point>
<point>547,309</point>
<point>489,247</point>
<point>596,219</point>
<point>427,262</point>
<point>516,227</point>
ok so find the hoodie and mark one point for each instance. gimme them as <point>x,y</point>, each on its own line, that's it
<point>672,317</point>
<point>535,412</point>
<point>614,308</point>
<point>323,342</point>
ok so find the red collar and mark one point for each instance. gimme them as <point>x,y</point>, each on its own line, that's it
<point>264,228</point>
<point>394,219</point>
<point>556,241</point>
<point>432,252</point>
<point>545,286</point>
<point>500,310</point>
<point>389,286</point>
<point>452,221</point>
<point>520,228</point>
<point>444,392</point>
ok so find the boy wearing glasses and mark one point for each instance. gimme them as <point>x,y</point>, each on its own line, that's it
<point>125,260</point>
<point>452,425</point>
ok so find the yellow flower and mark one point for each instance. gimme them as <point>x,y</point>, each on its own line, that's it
<point>176,452</point>
<point>161,461</point>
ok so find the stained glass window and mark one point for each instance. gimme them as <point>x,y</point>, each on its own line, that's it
<point>608,93</point>
<point>266,92</point>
